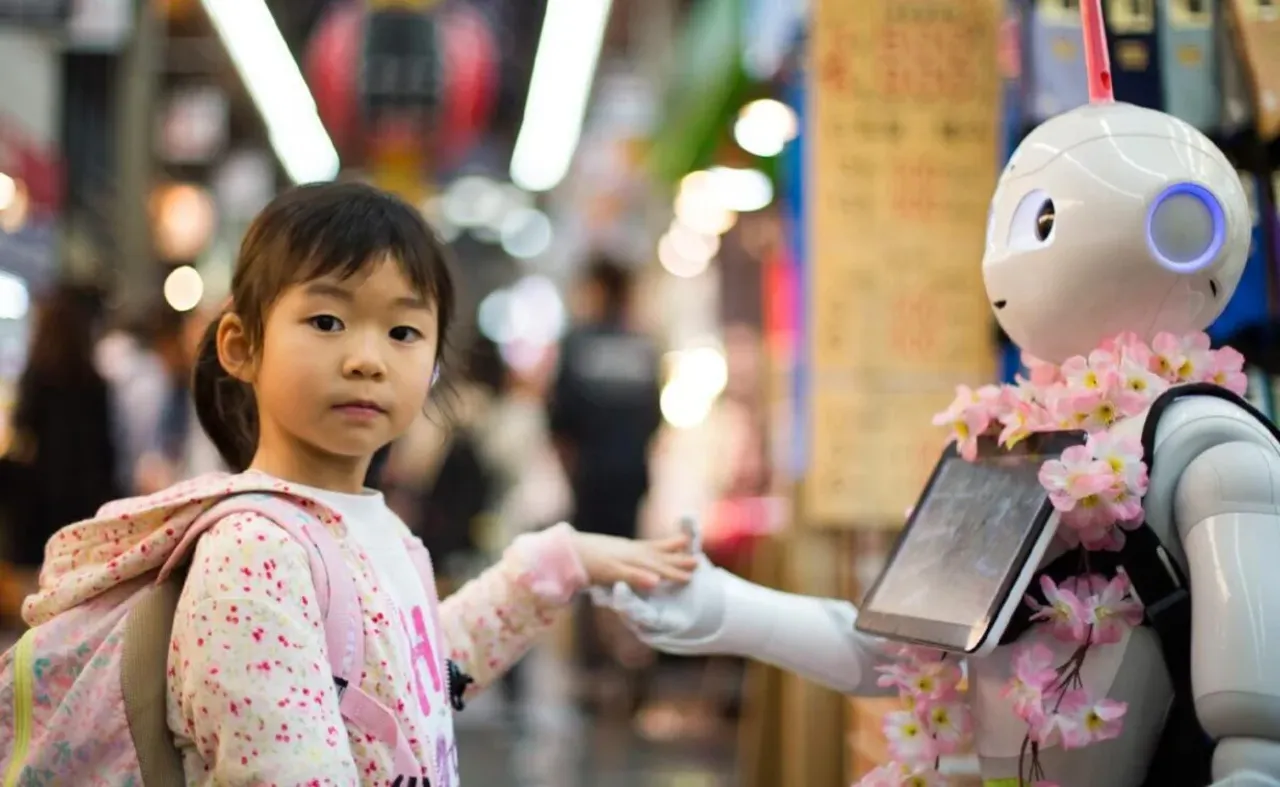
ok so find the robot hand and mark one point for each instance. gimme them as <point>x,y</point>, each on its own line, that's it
<point>719,613</point>
<point>682,620</point>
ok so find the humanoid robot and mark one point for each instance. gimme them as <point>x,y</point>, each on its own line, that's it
<point>1109,218</point>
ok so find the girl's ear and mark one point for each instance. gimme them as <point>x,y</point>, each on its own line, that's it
<point>235,351</point>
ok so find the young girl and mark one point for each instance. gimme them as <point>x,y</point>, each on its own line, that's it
<point>340,304</point>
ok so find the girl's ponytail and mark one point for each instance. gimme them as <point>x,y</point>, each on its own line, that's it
<point>224,405</point>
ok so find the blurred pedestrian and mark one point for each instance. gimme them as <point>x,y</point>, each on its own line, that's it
<point>60,465</point>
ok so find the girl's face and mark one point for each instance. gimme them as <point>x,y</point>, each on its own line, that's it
<point>345,365</point>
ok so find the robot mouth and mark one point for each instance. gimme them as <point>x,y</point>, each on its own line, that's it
<point>1000,304</point>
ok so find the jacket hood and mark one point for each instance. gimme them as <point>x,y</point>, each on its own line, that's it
<point>129,538</point>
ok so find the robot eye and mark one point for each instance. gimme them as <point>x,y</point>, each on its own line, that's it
<point>1044,220</point>
<point>1034,221</point>
<point>1186,227</point>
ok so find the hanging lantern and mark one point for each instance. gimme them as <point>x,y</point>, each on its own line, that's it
<point>403,85</point>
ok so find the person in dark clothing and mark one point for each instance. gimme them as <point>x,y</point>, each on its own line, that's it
<point>604,407</point>
<point>60,466</point>
<point>604,412</point>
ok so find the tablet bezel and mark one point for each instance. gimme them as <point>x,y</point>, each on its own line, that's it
<point>983,637</point>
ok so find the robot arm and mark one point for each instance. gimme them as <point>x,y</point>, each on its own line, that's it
<point>719,613</point>
<point>1227,511</point>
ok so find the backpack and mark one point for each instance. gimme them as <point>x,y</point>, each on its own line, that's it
<point>83,696</point>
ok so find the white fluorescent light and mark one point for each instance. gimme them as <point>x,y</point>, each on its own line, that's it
<point>572,34</point>
<point>273,79</point>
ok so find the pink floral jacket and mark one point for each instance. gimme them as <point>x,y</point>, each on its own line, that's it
<point>250,692</point>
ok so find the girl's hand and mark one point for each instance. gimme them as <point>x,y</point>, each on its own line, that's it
<point>641,564</point>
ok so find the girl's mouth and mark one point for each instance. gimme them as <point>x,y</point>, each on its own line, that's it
<point>360,409</point>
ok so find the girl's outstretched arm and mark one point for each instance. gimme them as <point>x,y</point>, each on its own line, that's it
<point>251,694</point>
<point>491,621</point>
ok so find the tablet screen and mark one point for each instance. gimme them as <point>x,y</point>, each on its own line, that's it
<point>966,542</point>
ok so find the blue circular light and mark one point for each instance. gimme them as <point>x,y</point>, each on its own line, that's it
<point>1217,217</point>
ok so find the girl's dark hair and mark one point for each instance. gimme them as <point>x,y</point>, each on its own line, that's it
<point>308,232</point>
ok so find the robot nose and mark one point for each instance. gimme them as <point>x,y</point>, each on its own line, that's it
<point>1000,304</point>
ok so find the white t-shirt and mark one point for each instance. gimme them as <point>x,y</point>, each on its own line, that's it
<point>381,535</point>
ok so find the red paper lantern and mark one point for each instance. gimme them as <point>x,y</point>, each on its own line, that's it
<point>470,71</point>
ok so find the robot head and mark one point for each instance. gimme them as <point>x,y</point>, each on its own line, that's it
<point>1113,218</point>
<point>1110,219</point>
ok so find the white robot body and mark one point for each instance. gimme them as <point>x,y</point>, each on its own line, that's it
<point>1214,499</point>
<point>1213,459</point>
<point>1108,219</point>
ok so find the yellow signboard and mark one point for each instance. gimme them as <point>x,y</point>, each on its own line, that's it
<point>904,111</point>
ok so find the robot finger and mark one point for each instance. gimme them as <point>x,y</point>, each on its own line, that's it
<point>691,529</point>
<point>634,608</point>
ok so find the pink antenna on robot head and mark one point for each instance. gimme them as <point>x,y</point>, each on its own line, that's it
<point>1096,59</point>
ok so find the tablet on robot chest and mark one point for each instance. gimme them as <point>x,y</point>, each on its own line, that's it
<point>970,548</point>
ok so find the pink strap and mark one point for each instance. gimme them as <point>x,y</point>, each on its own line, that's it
<point>340,606</point>
<point>339,601</point>
<point>373,717</point>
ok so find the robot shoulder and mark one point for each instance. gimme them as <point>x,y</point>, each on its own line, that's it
<point>1179,428</point>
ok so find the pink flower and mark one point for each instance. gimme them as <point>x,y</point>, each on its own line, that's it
<point>1051,728</point>
<point>969,416</point>
<point>1075,477</point>
<point>914,652</point>
<point>1181,360</point>
<point>897,774</point>
<point>1122,506</point>
<point>1067,615</point>
<point>909,738</point>
<point>1043,374</point>
<point>1136,375</point>
<point>1122,343</point>
<point>922,681</point>
<point>1092,373</point>
<point>1033,674</point>
<point>1100,409</point>
<point>1124,456</point>
<point>1112,609</point>
<point>887,775</point>
<point>949,723</point>
<point>1088,721</point>
<point>1020,414</point>
<point>1226,368</point>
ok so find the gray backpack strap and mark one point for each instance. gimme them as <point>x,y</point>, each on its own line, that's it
<point>144,658</point>
<point>144,661</point>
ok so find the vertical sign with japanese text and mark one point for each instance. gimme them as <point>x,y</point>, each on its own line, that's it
<point>903,122</point>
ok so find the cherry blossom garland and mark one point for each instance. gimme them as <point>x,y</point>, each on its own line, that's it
<point>1097,488</point>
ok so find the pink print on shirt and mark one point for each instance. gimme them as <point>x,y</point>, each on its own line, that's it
<point>421,654</point>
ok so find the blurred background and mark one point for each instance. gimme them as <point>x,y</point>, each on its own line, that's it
<point>719,258</point>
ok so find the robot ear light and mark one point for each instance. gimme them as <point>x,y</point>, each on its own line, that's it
<point>435,376</point>
<point>1186,228</point>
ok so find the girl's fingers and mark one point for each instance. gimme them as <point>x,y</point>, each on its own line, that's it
<point>676,543</point>
<point>676,569</point>
<point>640,577</point>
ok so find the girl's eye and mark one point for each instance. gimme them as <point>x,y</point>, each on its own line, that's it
<point>325,323</point>
<point>404,333</point>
